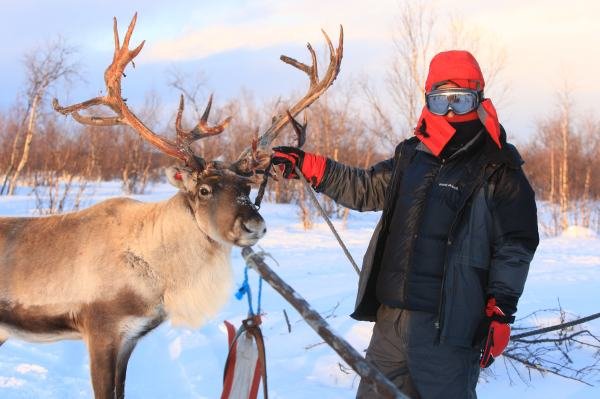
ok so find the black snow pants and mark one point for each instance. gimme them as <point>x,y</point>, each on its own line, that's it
<point>404,348</point>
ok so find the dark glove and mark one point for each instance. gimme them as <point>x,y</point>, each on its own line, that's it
<point>497,330</point>
<point>312,166</point>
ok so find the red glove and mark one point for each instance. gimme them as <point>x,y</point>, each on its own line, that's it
<point>498,333</point>
<point>312,166</point>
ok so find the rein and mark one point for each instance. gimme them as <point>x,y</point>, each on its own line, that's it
<point>263,184</point>
<point>315,201</point>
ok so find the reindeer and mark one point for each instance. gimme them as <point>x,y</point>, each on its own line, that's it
<point>113,272</point>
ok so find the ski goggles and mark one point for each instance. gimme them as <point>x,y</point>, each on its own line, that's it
<point>460,101</point>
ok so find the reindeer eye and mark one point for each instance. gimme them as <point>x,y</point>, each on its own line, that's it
<point>205,190</point>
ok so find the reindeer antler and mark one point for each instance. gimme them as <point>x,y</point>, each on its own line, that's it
<point>247,161</point>
<point>181,148</point>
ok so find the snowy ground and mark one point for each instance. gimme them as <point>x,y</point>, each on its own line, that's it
<point>178,363</point>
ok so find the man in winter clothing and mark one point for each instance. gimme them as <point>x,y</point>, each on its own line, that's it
<point>448,259</point>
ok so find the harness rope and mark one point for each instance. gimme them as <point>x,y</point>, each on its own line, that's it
<point>245,290</point>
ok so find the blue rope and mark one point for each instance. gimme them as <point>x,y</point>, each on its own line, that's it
<point>245,290</point>
<point>260,280</point>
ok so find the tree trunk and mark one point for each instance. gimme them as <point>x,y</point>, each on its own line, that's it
<point>585,201</point>
<point>26,145</point>
<point>13,156</point>
<point>552,175</point>
<point>564,169</point>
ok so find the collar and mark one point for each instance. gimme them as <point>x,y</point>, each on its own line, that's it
<point>435,130</point>
<point>507,154</point>
<point>466,148</point>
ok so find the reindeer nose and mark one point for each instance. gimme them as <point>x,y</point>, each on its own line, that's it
<point>254,226</point>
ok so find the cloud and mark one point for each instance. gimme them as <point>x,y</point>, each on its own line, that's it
<point>268,23</point>
<point>26,368</point>
<point>11,382</point>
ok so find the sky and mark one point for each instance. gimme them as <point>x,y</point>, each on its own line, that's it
<point>236,45</point>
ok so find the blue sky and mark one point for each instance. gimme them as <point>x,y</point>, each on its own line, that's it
<point>237,44</point>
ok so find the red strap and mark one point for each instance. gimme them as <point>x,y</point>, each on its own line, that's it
<point>230,362</point>
<point>256,380</point>
<point>230,332</point>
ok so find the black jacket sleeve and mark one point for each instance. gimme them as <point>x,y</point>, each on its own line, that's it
<point>515,237</point>
<point>355,188</point>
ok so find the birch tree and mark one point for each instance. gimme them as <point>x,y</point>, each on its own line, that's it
<point>43,67</point>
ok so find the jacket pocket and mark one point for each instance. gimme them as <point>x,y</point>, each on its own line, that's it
<point>465,301</point>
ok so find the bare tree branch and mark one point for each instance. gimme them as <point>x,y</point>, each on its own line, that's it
<point>561,326</point>
<point>564,349</point>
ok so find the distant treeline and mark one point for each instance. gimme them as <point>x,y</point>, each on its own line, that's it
<point>561,160</point>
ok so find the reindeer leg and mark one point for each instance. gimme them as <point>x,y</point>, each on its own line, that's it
<point>111,330</point>
<point>135,330</point>
<point>103,359</point>
<point>123,356</point>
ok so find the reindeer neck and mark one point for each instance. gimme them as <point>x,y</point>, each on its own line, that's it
<point>195,270</point>
<point>174,230</point>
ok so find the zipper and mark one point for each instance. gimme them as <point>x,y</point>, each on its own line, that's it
<point>438,322</point>
<point>415,236</point>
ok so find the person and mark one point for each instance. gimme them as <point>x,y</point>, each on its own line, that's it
<point>449,257</point>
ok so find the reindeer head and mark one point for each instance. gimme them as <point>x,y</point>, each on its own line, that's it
<point>217,192</point>
<point>219,201</point>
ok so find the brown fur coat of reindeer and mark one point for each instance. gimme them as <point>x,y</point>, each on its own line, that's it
<point>113,272</point>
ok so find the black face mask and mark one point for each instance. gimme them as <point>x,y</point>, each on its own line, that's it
<point>465,132</point>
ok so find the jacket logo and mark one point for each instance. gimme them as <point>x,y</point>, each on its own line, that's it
<point>448,185</point>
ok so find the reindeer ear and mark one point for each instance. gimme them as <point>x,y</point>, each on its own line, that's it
<point>180,177</point>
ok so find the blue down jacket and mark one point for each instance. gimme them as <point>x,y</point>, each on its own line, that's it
<point>490,244</point>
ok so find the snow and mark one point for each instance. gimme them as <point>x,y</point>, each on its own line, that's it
<point>178,363</point>
<point>578,232</point>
